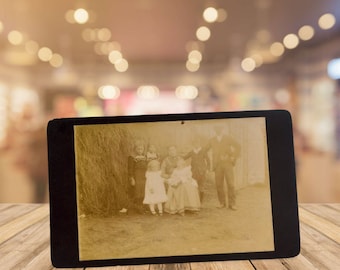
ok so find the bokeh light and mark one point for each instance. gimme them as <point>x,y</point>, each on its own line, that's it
<point>15,37</point>
<point>210,14</point>
<point>186,92</point>
<point>222,15</point>
<point>81,16</point>
<point>277,49</point>
<point>327,21</point>
<point>115,56</point>
<point>192,67</point>
<point>195,56</point>
<point>203,33</point>
<point>45,54</point>
<point>333,69</point>
<point>306,32</point>
<point>291,41</point>
<point>108,92</point>
<point>148,91</point>
<point>56,60</point>
<point>121,65</point>
<point>248,64</point>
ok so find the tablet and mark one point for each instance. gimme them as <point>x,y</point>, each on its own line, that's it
<point>151,189</point>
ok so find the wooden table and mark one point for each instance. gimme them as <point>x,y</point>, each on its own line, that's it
<point>24,242</point>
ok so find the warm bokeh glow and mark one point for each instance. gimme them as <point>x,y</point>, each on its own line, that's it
<point>31,47</point>
<point>222,15</point>
<point>248,64</point>
<point>1,27</point>
<point>194,45</point>
<point>81,16</point>
<point>291,41</point>
<point>104,48</point>
<point>45,54</point>
<point>108,92</point>
<point>277,49</point>
<point>186,92</point>
<point>88,34</point>
<point>192,67</point>
<point>69,16</point>
<point>104,34</point>
<point>203,33</point>
<point>115,56</point>
<point>195,56</point>
<point>258,59</point>
<point>56,60</point>
<point>327,21</point>
<point>210,14</point>
<point>3,112</point>
<point>148,92</point>
<point>15,37</point>
<point>121,65</point>
<point>306,32</point>
<point>282,96</point>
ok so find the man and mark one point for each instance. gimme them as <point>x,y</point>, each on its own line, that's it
<point>199,165</point>
<point>225,151</point>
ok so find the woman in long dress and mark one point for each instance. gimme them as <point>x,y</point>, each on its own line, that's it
<point>182,191</point>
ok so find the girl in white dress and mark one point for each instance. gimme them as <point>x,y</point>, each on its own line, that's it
<point>154,188</point>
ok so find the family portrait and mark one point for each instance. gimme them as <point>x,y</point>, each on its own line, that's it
<point>172,188</point>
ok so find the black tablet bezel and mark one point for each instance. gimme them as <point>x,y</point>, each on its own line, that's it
<point>62,188</point>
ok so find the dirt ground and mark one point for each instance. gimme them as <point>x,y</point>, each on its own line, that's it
<point>210,231</point>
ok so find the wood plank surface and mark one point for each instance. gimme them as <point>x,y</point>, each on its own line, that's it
<point>320,223</point>
<point>22,222</point>
<point>13,211</point>
<point>24,242</point>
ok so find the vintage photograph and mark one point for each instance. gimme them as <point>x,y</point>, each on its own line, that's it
<point>173,188</point>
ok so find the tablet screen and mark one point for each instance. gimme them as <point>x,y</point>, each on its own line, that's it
<point>173,188</point>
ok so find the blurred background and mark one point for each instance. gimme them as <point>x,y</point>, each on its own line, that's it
<point>114,57</point>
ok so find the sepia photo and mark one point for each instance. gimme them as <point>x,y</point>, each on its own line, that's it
<point>173,188</point>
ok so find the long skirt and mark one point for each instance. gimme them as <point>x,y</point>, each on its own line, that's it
<point>175,202</point>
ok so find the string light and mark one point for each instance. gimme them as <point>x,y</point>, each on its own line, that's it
<point>148,91</point>
<point>186,92</point>
<point>45,54</point>
<point>81,16</point>
<point>210,14</point>
<point>291,41</point>
<point>15,37</point>
<point>203,33</point>
<point>108,92</point>
<point>306,32</point>
<point>327,21</point>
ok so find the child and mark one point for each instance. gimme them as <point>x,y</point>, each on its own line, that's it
<point>154,188</point>
<point>151,154</point>
<point>137,166</point>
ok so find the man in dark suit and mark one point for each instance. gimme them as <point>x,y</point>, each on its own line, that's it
<point>225,151</point>
<point>199,164</point>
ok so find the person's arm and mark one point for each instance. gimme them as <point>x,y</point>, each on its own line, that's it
<point>131,169</point>
<point>163,169</point>
<point>187,155</point>
<point>236,148</point>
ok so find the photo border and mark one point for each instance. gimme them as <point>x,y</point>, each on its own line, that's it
<point>63,202</point>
